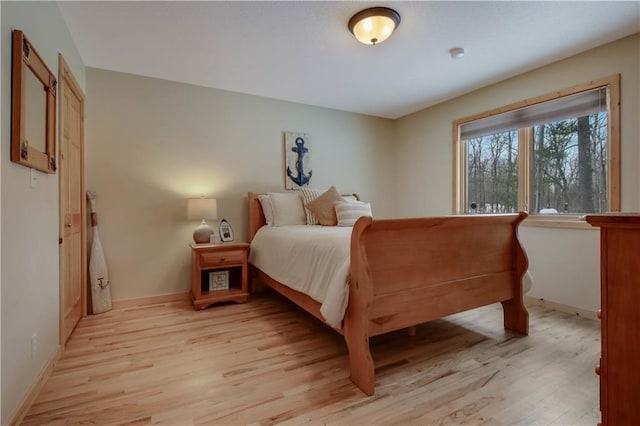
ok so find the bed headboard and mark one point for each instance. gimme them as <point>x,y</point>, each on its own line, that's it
<point>256,217</point>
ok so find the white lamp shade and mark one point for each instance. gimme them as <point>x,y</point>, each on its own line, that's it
<point>202,208</point>
<point>374,25</point>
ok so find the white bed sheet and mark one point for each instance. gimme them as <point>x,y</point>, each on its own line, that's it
<point>313,260</point>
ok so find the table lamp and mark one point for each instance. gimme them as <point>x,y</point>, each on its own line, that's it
<point>202,209</point>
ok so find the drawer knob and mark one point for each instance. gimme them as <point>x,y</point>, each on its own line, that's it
<point>598,369</point>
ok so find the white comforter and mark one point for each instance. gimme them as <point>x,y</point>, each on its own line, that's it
<point>311,259</point>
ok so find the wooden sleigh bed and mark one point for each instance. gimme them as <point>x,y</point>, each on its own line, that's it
<point>405,272</point>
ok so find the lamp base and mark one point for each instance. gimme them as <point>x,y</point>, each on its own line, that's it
<point>202,234</point>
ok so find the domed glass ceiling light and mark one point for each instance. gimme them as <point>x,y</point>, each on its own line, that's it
<point>374,25</point>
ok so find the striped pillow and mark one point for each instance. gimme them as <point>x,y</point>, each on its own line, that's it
<point>308,195</point>
<point>348,213</point>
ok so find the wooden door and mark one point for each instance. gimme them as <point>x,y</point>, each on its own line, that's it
<point>73,305</point>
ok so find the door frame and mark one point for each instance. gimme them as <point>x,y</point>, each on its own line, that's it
<point>67,81</point>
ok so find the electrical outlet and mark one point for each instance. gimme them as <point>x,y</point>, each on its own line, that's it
<point>34,178</point>
<point>34,345</point>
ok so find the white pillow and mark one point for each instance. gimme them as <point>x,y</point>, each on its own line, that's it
<point>308,195</point>
<point>287,209</point>
<point>267,209</point>
<point>348,213</point>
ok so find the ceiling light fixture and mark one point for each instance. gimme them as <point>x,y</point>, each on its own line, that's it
<point>456,52</point>
<point>374,25</point>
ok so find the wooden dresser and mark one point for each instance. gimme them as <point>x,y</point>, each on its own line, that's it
<point>619,367</point>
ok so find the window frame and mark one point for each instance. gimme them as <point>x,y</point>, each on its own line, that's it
<point>525,154</point>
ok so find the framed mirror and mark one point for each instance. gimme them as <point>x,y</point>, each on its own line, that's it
<point>33,108</point>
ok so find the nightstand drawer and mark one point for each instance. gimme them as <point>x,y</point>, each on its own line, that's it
<point>231,257</point>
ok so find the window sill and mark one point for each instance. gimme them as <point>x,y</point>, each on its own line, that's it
<point>557,221</point>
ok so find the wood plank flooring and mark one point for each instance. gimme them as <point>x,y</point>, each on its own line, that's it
<point>268,362</point>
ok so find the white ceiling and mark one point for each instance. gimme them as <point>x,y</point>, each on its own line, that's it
<point>302,51</point>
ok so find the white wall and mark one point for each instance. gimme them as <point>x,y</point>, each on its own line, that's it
<point>29,244</point>
<point>564,263</point>
<point>151,144</point>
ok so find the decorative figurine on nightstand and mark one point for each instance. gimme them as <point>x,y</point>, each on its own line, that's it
<point>226,233</point>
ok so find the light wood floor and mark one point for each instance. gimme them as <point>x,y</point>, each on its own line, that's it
<point>268,362</point>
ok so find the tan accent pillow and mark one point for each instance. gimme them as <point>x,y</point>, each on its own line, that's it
<point>323,207</point>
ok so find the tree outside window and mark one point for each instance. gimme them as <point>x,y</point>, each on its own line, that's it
<point>492,173</point>
<point>570,165</point>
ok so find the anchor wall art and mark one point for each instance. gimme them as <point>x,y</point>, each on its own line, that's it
<point>297,171</point>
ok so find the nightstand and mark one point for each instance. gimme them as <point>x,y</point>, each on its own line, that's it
<point>219,273</point>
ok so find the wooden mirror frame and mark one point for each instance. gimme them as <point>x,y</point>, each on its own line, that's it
<point>26,58</point>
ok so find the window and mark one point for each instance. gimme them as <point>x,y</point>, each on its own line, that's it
<point>569,165</point>
<point>556,156</point>
<point>492,173</point>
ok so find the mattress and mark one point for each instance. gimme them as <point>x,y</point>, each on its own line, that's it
<point>313,260</point>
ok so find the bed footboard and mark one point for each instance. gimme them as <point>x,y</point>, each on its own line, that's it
<point>409,271</point>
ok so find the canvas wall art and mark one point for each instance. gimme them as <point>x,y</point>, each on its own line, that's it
<point>297,160</point>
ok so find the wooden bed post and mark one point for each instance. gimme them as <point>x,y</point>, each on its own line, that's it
<point>516,317</point>
<point>356,333</point>
<point>360,361</point>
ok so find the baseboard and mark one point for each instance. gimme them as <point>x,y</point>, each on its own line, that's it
<point>560,307</point>
<point>151,300</point>
<point>36,388</point>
